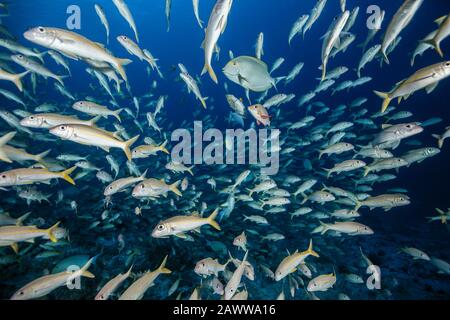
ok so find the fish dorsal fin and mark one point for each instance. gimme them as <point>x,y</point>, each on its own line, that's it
<point>440,20</point>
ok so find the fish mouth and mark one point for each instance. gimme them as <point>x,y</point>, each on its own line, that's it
<point>28,34</point>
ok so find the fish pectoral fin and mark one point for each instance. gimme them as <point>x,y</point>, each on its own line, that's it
<point>429,89</point>
<point>104,148</point>
<point>181,235</point>
<point>241,79</point>
<point>15,247</point>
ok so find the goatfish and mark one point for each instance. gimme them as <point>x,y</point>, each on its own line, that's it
<point>332,39</point>
<point>51,120</point>
<point>138,288</point>
<point>11,235</point>
<point>427,78</point>
<point>6,220</point>
<point>193,86</point>
<point>153,188</point>
<point>121,184</point>
<point>25,176</point>
<point>216,26</point>
<point>46,284</point>
<point>126,14</point>
<point>102,16</point>
<point>95,109</point>
<point>401,19</point>
<point>75,46</point>
<point>145,151</point>
<point>235,280</point>
<point>91,136</point>
<point>290,263</point>
<point>111,286</point>
<point>36,67</point>
<point>442,33</point>
<point>178,225</point>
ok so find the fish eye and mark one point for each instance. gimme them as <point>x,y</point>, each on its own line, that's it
<point>41,29</point>
<point>160,227</point>
<point>447,64</point>
<point>110,188</point>
<point>31,118</point>
<point>62,128</point>
<point>142,186</point>
<point>408,126</point>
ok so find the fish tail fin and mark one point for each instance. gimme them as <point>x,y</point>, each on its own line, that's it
<point>144,174</point>
<point>119,66</point>
<point>325,227</point>
<point>358,205</point>
<point>440,140</point>
<point>435,45</point>
<point>4,140</point>
<point>211,220</point>
<point>84,270</point>
<point>366,171</point>
<point>212,74</point>
<point>42,155</point>
<point>127,145</point>
<point>305,198</point>
<point>94,120</point>
<point>17,79</point>
<point>311,251</point>
<point>60,79</point>
<point>162,147</point>
<point>66,175</point>
<point>385,57</point>
<point>22,218</point>
<point>174,188</point>
<point>386,99</point>
<point>162,268</point>
<point>203,101</point>
<point>116,114</point>
<point>50,232</point>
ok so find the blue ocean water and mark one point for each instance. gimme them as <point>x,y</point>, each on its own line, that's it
<point>126,239</point>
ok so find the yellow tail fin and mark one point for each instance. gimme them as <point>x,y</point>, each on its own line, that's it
<point>386,99</point>
<point>162,268</point>
<point>50,233</point>
<point>116,114</point>
<point>311,251</point>
<point>18,80</point>
<point>211,72</point>
<point>84,270</point>
<point>163,148</point>
<point>211,220</point>
<point>118,65</point>
<point>174,188</point>
<point>127,145</point>
<point>42,155</point>
<point>66,175</point>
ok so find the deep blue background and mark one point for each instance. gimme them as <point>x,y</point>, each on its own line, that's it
<point>427,183</point>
